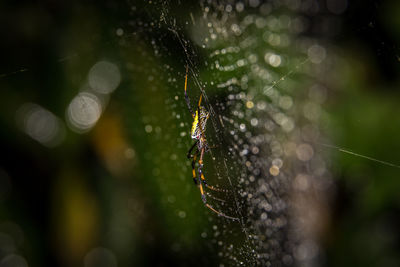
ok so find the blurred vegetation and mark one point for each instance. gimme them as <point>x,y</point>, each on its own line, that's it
<point>122,191</point>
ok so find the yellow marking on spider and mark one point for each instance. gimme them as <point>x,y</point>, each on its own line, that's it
<point>201,96</point>
<point>201,190</point>
<point>195,123</point>
<point>186,78</point>
<point>194,170</point>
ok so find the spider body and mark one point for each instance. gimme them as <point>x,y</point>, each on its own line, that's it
<point>200,117</point>
<point>199,126</point>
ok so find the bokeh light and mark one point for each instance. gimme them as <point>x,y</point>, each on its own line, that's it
<point>104,77</point>
<point>40,124</point>
<point>13,260</point>
<point>100,257</point>
<point>84,111</point>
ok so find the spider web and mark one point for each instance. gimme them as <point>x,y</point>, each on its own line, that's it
<point>254,225</point>
<point>262,79</point>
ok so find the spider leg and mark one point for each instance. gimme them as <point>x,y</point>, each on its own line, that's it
<point>186,96</point>
<point>220,213</point>
<point>189,154</point>
<point>203,179</point>
<point>194,168</point>
<point>194,157</point>
<point>201,97</point>
<point>201,175</point>
<point>215,198</point>
<point>203,195</point>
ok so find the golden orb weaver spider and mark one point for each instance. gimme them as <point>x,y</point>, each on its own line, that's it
<point>200,117</point>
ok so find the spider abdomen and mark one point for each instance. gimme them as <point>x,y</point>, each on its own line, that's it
<point>199,123</point>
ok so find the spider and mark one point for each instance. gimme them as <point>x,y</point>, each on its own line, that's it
<point>200,117</point>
